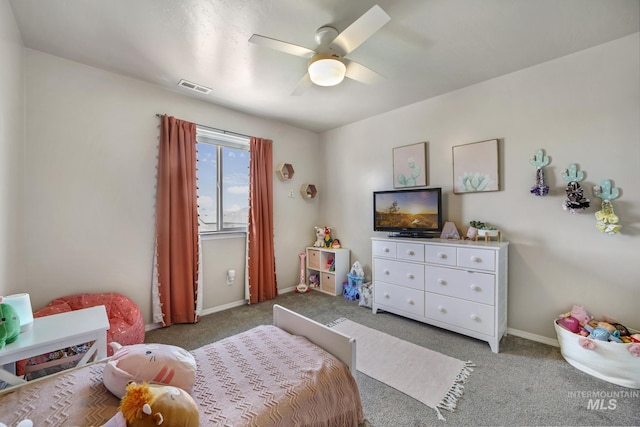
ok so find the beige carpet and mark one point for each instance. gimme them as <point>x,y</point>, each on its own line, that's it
<point>428,376</point>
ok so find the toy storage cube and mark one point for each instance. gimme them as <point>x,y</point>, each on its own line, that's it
<point>328,283</point>
<point>609,361</point>
<point>314,259</point>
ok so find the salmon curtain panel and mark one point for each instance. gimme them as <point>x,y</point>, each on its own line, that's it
<point>261,263</point>
<point>177,240</point>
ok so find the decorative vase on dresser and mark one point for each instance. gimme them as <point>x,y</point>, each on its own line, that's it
<point>459,285</point>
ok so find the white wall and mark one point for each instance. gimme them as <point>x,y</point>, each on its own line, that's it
<point>11,153</point>
<point>91,146</point>
<point>583,108</point>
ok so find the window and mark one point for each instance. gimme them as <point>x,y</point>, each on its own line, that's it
<point>223,181</point>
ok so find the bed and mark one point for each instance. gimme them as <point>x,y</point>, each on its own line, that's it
<point>295,372</point>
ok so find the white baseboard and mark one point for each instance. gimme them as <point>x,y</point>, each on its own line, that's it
<point>216,309</point>
<point>533,337</point>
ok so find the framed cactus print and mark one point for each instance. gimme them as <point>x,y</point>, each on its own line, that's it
<point>475,167</point>
<point>410,166</point>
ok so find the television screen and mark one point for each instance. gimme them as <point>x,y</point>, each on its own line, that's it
<point>408,213</point>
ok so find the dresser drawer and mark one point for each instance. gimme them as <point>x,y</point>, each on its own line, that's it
<point>444,255</point>
<point>469,285</point>
<point>384,249</point>
<point>480,259</point>
<point>465,314</point>
<point>398,297</point>
<point>399,273</point>
<point>410,251</point>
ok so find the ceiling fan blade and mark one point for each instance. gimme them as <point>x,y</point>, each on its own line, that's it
<point>285,47</point>
<point>361,29</point>
<point>363,74</point>
<point>304,84</point>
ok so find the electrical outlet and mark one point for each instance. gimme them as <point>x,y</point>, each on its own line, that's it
<point>291,193</point>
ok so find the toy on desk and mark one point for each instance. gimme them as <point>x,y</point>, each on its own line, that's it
<point>575,201</point>
<point>607,220</point>
<point>539,161</point>
<point>336,244</point>
<point>9,324</point>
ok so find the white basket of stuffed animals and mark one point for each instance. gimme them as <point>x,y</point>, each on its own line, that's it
<point>605,357</point>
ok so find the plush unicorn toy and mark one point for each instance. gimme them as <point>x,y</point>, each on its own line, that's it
<point>319,243</point>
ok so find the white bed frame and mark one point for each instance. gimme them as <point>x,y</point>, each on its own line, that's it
<point>341,346</point>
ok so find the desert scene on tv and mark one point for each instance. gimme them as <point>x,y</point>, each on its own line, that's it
<point>418,210</point>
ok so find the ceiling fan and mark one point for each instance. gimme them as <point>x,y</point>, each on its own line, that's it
<point>328,64</point>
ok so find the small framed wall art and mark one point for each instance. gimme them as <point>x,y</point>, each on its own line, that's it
<point>410,165</point>
<point>475,167</point>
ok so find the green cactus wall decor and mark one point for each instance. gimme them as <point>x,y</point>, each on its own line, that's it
<point>572,174</point>
<point>606,219</point>
<point>575,201</point>
<point>605,191</point>
<point>539,160</point>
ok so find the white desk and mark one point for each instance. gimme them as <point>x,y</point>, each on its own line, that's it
<point>56,332</point>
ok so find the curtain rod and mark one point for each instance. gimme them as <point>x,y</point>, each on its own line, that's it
<point>216,129</point>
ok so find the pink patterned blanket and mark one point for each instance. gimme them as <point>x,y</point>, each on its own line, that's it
<point>261,377</point>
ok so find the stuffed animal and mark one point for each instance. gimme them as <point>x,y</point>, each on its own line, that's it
<point>23,423</point>
<point>9,324</point>
<point>602,332</point>
<point>149,405</point>
<point>327,237</point>
<point>314,280</point>
<point>160,363</point>
<point>319,237</point>
<point>579,313</point>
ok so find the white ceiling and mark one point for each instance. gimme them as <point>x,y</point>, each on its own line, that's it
<point>429,47</point>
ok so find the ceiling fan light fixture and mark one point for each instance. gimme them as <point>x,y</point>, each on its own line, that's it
<point>326,70</point>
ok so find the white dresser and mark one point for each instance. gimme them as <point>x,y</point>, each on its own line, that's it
<point>459,285</point>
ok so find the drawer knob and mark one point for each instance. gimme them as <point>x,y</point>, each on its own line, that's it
<point>411,302</point>
<point>476,259</point>
<point>442,255</point>
<point>387,272</point>
<point>441,309</point>
<point>474,317</point>
<point>411,253</point>
<point>386,295</point>
<point>410,276</point>
<point>386,250</point>
<point>476,288</point>
<point>442,282</point>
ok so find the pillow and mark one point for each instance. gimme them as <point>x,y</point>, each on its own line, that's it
<point>153,363</point>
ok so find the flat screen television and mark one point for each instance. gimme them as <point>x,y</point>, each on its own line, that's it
<point>408,213</point>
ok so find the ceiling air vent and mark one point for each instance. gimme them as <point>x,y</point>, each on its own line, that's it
<point>194,87</point>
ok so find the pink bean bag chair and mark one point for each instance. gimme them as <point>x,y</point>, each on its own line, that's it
<point>126,325</point>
